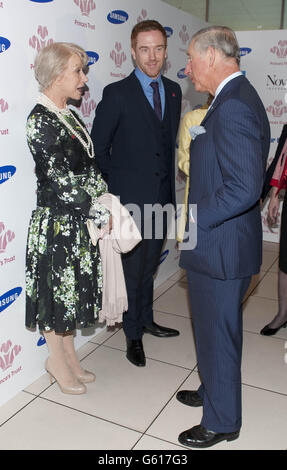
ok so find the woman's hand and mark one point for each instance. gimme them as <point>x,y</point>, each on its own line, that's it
<point>110,224</point>
<point>273,207</point>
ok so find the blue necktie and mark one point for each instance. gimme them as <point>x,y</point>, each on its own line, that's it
<point>156,99</point>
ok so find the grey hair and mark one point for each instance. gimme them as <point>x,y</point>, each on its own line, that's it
<point>51,61</point>
<point>221,38</point>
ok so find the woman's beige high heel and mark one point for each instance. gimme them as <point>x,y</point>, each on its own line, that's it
<point>77,389</point>
<point>86,377</point>
<point>82,375</point>
<point>58,368</point>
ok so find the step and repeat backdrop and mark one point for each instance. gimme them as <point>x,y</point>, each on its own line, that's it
<point>102,28</point>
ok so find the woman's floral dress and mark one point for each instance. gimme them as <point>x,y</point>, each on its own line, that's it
<point>63,268</point>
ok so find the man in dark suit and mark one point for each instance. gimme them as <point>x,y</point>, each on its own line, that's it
<point>227,168</point>
<point>134,135</point>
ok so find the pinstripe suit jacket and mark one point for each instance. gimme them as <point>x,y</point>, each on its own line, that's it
<point>227,170</point>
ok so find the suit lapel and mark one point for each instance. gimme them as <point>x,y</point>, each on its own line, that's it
<point>138,95</point>
<point>170,111</point>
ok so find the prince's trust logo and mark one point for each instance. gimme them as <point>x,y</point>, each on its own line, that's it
<point>117,55</point>
<point>6,237</point>
<point>142,16</point>
<point>183,34</point>
<point>86,6</point>
<point>3,105</point>
<point>88,105</point>
<point>277,110</point>
<point>8,366</point>
<point>279,53</point>
<point>40,41</point>
<point>8,352</point>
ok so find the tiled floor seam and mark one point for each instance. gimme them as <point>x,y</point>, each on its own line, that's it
<point>21,409</point>
<point>169,287</point>
<point>153,359</point>
<point>271,338</point>
<point>100,344</point>
<point>256,285</point>
<point>90,414</point>
<point>97,345</point>
<point>174,314</point>
<point>160,440</point>
<point>264,389</point>
<point>168,401</point>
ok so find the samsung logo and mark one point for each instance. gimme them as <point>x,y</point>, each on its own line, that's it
<point>9,297</point>
<point>6,172</point>
<point>4,44</point>
<point>245,51</point>
<point>181,73</point>
<point>117,17</point>
<point>93,57</point>
<point>169,31</point>
<point>163,256</point>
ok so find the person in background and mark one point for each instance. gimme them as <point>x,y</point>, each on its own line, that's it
<point>134,134</point>
<point>227,169</point>
<point>63,268</point>
<point>190,119</point>
<point>277,179</point>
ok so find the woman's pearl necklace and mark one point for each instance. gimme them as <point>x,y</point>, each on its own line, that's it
<point>61,113</point>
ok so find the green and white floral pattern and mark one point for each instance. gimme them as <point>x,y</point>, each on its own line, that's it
<point>63,268</point>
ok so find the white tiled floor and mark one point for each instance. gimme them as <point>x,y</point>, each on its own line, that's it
<point>135,408</point>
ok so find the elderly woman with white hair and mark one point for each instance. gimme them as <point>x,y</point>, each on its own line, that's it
<point>63,269</point>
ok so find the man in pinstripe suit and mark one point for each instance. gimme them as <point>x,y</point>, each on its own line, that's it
<point>227,168</point>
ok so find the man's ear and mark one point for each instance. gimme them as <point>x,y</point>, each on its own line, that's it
<point>133,53</point>
<point>211,56</point>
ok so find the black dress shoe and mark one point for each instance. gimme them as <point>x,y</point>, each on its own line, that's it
<point>198,436</point>
<point>189,397</point>
<point>135,352</point>
<point>161,331</point>
<point>266,331</point>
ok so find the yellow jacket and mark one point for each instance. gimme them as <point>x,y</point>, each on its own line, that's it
<point>192,118</point>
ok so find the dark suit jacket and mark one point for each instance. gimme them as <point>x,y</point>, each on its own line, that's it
<point>227,171</point>
<point>126,140</point>
<point>272,166</point>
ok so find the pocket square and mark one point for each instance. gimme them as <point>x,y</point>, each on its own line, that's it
<point>196,130</point>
